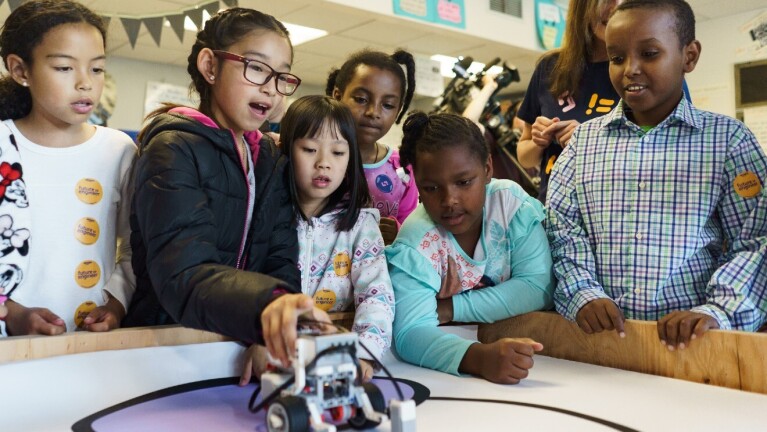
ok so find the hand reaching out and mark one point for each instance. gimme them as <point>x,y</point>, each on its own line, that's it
<point>279,321</point>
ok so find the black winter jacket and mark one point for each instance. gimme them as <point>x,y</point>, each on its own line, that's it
<point>187,222</point>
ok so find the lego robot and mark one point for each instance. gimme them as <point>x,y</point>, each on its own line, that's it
<point>319,391</point>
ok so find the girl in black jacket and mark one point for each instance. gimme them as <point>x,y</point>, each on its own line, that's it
<point>214,246</point>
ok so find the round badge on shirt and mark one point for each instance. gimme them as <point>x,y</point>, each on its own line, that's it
<point>87,231</point>
<point>324,299</point>
<point>87,274</point>
<point>82,311</point>
<point>747,184</point>
<point>342,264</point>
<point>89,191</point>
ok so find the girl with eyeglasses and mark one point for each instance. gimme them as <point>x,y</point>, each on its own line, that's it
<point>214,246</point>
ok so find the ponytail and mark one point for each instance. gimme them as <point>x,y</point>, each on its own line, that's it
<point>15,100</point>
<point>405,58</point>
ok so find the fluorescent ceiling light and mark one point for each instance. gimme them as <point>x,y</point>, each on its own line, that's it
<point>446,66</point>
<point>298,34</point>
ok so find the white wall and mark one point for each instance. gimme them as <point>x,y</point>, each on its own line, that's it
<point>725,42</point>
<point>131,77</point>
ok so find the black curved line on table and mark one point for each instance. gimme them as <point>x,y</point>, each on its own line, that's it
<point>607,423</point>
<point>420,394</point>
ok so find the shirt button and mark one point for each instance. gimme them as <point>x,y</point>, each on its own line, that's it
<point>639,236</point>
<point>637,291</point>
<point>642,185</point>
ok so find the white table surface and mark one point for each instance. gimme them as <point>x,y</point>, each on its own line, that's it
<point>52,394</point>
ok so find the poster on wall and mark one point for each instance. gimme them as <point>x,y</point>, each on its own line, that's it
<point>159,92</point>
<point>429,80</point>
<point>550,23</point>
<point>445,12</point>
<point>755,31</point>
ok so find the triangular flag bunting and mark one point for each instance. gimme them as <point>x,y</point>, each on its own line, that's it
<point>154,25</point>
<point>211,8</point>
<point>230,3</point>
<point>107,20</point>
<point>13,4</point>
<point>132,27</point>
<point>196,16</point>
<point>177,24</point>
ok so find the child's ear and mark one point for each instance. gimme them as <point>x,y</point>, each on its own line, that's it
<point>489,168</point>
<point>691,54</point>
<point>337,94</point>
<point>17,69</point>
<point>206,65</point>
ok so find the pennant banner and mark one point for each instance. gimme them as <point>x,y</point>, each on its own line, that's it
<point>177,24</point>
<point>211,8</point>
<point>154,25</point>
<point>132,27</point>
<point>196,16</point>
<point>13,4</point>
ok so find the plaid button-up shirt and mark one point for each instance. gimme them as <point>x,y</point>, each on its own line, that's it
<point>657,220</point>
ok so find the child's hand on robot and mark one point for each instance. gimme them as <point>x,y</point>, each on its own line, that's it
<point>256,359</point>
<point>279,323</point>
<point>367,369</point>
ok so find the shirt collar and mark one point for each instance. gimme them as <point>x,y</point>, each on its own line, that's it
<point>684,112</point>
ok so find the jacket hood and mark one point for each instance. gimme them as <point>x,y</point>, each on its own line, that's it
<point>330,217</point>
<point>184,119</point>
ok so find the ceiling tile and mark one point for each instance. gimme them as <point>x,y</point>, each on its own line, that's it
<point>328,17</point>
<point>380,30</point>
<point>337,47</point>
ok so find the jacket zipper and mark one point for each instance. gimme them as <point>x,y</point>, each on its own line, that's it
<point>247,206</point>
<point>308,259</point>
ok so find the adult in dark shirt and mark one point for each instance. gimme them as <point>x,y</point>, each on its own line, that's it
<point>569,86</point>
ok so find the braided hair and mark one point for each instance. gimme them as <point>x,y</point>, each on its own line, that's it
<point>434,132</point>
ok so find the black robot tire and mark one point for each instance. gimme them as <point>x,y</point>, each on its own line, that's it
<point>293,412</point>
<point>377,401</point>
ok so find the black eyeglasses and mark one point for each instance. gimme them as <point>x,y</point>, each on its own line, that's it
<point>259,73</point>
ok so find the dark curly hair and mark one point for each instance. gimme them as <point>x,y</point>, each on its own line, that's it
<point>434,132</point>
<point>23,30</point>
<point>683,15</point>
<point>340,78</point>
<point>305,118</point>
